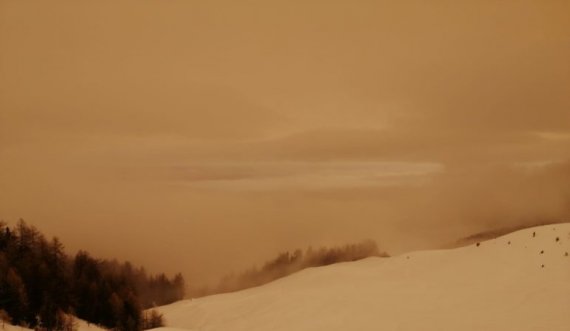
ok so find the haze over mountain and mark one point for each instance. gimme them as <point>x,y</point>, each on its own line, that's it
<point>229,131</point>
<point>515,282</point>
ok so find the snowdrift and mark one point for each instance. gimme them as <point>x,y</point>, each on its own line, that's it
<point>520,281</point>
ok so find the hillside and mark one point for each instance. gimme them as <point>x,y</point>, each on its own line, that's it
<point>498,232</point>
<point>40,285</point>
<point>520,281</point>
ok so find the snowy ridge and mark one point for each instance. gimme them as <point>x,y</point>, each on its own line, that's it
<point>520,282</point>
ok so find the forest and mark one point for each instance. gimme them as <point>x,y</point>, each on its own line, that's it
<point>42,287</point>
<point>287,263</point>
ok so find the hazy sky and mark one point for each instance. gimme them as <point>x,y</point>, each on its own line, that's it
<point>205,136</point>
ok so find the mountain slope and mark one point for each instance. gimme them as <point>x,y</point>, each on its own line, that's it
<point>515,282</point>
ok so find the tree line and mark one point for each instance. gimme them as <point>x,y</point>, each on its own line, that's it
<point>286,263</point>
<point>43,288</point>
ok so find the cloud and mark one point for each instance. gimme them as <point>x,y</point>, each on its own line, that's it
<point>272,176</point>
<point>282,124</point>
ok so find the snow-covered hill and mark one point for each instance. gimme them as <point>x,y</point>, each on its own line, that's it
<point>520,281</point>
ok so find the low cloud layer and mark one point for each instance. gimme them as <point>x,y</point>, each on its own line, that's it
<point>209,136</point>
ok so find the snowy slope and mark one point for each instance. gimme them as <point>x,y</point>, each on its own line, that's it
<point>503,284</point>
<point>9,327</point>
<point>81,326</point>
<point>84,326</point>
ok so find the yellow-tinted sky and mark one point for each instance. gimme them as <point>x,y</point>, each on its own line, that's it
<point>205,136</point>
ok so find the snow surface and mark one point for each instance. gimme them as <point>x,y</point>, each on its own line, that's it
<point>81,326</point>
<point>9,327</point>
<point>503,284</point>
<point>84,326</point>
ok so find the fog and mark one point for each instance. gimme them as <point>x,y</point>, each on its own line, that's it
<point>205,137</point>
